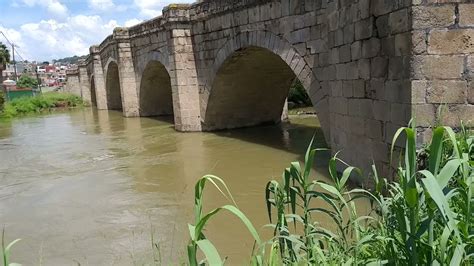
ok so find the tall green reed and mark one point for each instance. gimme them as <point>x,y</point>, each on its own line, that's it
<point>425,216</point>
<point>6,251</point>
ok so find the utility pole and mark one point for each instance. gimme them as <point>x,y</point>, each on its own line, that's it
<point>14,62</point>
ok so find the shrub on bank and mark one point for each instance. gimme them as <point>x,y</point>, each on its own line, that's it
<point>298,97</point>
<point>2,100</point>
<point>43,102</point>
<point>26,81</point>
<point>425,217</point>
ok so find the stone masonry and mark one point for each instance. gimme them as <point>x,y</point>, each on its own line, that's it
<point>368,66</point>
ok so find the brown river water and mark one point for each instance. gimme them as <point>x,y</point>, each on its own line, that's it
<point>90,187</point>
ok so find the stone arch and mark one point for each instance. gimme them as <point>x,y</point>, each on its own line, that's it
<point>155,93</point>
<point>112,85</point>
<point>93,91</point>
<point>160,55</point>
<point>264,65</point>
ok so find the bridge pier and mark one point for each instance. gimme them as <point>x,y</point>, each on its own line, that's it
<point>128,83</point>
<point>98,77</point>
<point>184,81</point>
<point>84,83</point>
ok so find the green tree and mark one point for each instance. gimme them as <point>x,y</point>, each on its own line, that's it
<point>4,57</point>
<point>298,95</point>
<point>26,81</point>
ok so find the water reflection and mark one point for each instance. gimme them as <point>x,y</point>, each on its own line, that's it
<point>92,187</point>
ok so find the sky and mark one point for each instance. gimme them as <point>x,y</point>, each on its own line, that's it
<point>51,29</point>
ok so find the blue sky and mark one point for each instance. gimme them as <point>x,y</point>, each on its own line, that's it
<point>50,29</point>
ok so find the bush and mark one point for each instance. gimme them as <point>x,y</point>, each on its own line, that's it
<point>426,217</point>
<point>43,102</point>
<point>2,100</point>
<point>298,95</point>
<point>26,81</point>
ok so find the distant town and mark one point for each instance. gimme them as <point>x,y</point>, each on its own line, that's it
<point>49,74</point>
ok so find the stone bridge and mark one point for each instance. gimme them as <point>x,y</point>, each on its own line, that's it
<point>368,66</point>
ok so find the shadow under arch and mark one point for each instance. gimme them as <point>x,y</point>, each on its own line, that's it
<point>250,89</point>
<point>112,86</point>
<point>93,92</point>
<point>250,80</point>
<point>155,95</point>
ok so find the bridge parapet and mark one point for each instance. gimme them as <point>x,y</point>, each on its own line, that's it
<point>72,72</point>
<point>204,9</point>
<point>106,42</point>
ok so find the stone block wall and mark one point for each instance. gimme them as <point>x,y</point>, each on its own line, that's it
<point>352,56</point>
<point>443,63</point>
<point>368,65</point>
<point>364,57</point>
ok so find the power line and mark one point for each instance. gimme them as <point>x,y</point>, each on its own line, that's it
<point>12,44</point>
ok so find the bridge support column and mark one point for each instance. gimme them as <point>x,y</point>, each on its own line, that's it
<point>73,86</point>
<point>85,86</point>
<point>184,81</point>
<point>99,81</point>
<point>128,83</point>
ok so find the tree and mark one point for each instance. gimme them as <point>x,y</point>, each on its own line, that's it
<point>26,81</point>
<point>4,56</point>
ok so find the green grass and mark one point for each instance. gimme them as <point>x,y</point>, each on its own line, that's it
<point>301,110</point>
<point>38,104</point>
<point>424,217</point>
<point>6,251</point>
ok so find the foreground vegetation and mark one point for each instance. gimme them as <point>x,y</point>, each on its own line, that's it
<point>41,103</point>
<point>424,217</point>
<point>298,97</point>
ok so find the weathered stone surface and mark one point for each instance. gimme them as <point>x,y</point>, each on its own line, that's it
<point>370,48</point>
<point>424,114</point>
<point>447,91</point>
<point>379,67</point>
<point>399,67</point>
<point>466,15</point>
<point>433,16</point>
<point>399,21</point>
<point>456,41</point>
<point>381,110</point>
<point>419,42</point>
<point>437,67</point>
<point>452,115</point>
<point>470,67</point>
<point>363,29</point>
<point>418,89</point>
<point>470,92</point>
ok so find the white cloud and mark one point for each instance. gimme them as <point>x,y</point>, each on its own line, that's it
<point>52,39</point>
<point>152,8</point>
<point>132,22</point>
<point>54,7</point>
<point>101,4</point>
<point>62,32</point>
<point>15,37</point>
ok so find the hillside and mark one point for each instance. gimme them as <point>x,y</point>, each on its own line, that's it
<point>70,60</point>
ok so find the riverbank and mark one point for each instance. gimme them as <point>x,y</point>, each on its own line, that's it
<point>42,103</point>
<point>302,111</point>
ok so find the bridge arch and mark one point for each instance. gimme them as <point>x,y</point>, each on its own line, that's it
<point>112,85</point>
<point>250,80</point>
<point>155,92</point>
